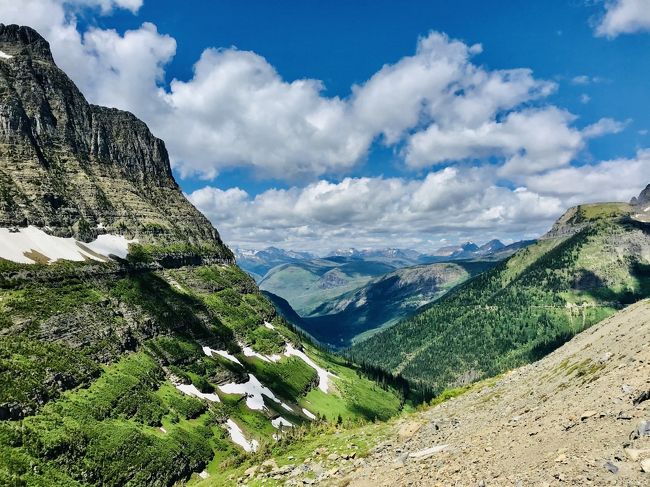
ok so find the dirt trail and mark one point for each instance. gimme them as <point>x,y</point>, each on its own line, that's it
<point>569,419</point>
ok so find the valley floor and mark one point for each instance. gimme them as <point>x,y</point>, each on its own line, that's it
<point>572,418</point>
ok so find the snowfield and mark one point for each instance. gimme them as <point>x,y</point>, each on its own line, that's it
<point>15,244</point>
<point>4,55</point>
<point>309,414</point>
<point>191,390</point>
<point>323,375</point>
<point>209,351</point>
<point>238,437</point>
<point>254,392</point>
<point>249,352</point>
<point>110,245</point>
<point>279,422</point>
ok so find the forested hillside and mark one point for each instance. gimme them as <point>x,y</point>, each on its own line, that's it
<point>525,306</point>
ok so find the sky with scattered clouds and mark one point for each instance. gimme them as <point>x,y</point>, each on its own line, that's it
<point>317,125</point>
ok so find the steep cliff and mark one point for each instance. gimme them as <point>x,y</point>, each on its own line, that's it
<point>77,169</point>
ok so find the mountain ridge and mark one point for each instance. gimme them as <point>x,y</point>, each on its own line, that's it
<point>133,350</point>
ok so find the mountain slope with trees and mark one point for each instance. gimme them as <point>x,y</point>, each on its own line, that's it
<point>594,261</point>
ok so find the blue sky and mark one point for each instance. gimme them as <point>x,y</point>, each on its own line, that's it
<point>343,43</point>
<point>321,164</point>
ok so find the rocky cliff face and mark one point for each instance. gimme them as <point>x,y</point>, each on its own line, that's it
<point>77,169</point>
<point>643,198</point>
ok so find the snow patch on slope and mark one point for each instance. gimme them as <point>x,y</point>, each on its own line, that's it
<point>309,414</point>
<point>323,375</point>
<point>110,245</point>
<point>237,435</point>
<point>4,55</point>
<point>209,351</point>
<point>253,390</point>
<point>249,352</point>
<point>279,422</point>
<point>14,244</point>
<point>191,390</point>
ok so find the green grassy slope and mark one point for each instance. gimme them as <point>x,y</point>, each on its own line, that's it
<point>525,306</point>
<point>88,353</point>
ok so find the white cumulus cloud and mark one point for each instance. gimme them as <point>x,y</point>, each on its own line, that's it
<point>457,203</point>
<point>436,105</point>
<point>624,17</point>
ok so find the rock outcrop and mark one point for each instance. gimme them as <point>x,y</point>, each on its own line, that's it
<point>643,198</point>
<point>77,169</point>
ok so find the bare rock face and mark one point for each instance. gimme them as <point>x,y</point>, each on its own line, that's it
<point>76,169</point>
<point>643,198</point>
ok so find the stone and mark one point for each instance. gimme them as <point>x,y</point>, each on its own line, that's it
<point>627,389</point>
<point>645,465</point>
<point>644,396</point>
<point>332,457</point>
<point>587,415</point>
<point>611,467</point>
<point>249,472</point>
<point>268,465</point>
<point>634,454</point>
<point>401,459</point>
<point>642,429</point>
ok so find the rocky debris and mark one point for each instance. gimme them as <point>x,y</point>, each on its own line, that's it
<point>542,424</point>
<point>324,466</point>
<point>429,451</point>
<point>636,454</point>
<point>587,415</point>
<point>645,465</point>
<point>611,467</point>
<point>644,396</point>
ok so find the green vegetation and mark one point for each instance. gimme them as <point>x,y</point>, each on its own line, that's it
<point>33,372</point>
<point>144,253</point>
<point>288,375</point>
<point>520,310</point>
<point>85,394</point>
<point>300,444</point>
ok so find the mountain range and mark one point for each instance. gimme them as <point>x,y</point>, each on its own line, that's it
<point>259,262</point>
<point>133,351</point>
